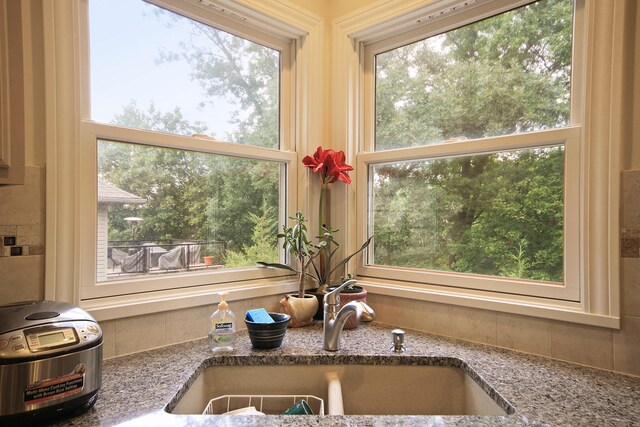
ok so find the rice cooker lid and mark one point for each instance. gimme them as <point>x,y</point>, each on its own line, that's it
<point>36,330</point>
<point>26,314</point>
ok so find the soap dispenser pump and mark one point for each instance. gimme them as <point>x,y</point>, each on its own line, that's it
<point>222,327</point>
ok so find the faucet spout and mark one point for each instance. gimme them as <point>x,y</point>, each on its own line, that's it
<point>334,323</point>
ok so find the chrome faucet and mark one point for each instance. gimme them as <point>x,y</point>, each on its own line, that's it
<point>335,319</point>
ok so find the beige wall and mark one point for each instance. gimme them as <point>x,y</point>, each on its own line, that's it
<point>340,8</point>
<point>317,7</point>
<point>22,212</point>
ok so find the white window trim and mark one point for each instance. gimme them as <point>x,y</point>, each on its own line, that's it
<point>64,79</point>
<point>567,136</point>
<point>91,132</point>
<point>602,92</point>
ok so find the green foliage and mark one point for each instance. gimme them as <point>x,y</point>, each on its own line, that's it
<point>189,195</point>
<point>494,214</point>
<point>485,214</point>
<point>506,74</point>
<point>154,119</point>
<point>264,245</point>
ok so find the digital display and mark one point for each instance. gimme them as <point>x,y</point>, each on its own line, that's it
<point>48,339</point>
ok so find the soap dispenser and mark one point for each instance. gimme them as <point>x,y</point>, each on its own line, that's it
<point>222,327</point>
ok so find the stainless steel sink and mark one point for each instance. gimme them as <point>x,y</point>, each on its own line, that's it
<point>367,389</point>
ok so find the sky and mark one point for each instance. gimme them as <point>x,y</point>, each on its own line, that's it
<point>126,40</point>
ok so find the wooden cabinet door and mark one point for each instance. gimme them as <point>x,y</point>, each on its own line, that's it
<point>11,94</point>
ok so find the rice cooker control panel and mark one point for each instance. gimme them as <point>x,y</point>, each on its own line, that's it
<point>48,339</point>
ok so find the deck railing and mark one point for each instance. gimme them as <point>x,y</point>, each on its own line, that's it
<point>142,257</point>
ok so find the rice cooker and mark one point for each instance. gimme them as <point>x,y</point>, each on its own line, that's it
<point>50,361</point>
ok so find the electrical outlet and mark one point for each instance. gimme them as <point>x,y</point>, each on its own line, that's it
<point>15,250</point>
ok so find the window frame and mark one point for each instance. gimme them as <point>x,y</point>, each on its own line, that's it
<point>568,136</point>
<point>71,201</point>
<point>598,33</point>
<point>92,131</point>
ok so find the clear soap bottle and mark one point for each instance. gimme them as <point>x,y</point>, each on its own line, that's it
<point>222,327</point>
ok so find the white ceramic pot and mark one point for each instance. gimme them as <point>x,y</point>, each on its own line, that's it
<point>301,310</point>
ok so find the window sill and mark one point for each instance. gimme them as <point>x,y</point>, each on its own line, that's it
<point>175,299</point>
<point>513,304</point>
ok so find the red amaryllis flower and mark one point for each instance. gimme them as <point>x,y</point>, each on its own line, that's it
<point>337,168</point>
<point>330,164</point>
<point>317,161</point>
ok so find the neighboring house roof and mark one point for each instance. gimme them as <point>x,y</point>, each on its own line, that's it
<point>108,193</point>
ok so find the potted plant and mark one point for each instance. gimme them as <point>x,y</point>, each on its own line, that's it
<point>324,268</point>
<point>331,167</point>
<point>296,242</point>
<point>300,307</point>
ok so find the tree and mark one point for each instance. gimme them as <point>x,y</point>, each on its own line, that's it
<point>242,72</point>
<point>190,196</point>
<point>496,214</point>
<point>264,244</point>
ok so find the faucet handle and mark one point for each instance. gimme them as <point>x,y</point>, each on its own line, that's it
<point>333,297</point>
<point>398,341</point>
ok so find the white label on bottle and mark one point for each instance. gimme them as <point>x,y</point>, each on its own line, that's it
<point>221,330</point>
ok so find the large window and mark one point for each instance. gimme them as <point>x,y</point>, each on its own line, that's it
<point>472,171</point>
<point>185,122</point>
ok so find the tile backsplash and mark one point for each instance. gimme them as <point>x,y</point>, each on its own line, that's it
<point>22,215</point>
<point>139,333</point>
<point>630,216</point>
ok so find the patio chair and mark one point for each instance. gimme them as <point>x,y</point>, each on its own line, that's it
<point>134,263</point>
<point>116,256</point>
<point>172,260</point>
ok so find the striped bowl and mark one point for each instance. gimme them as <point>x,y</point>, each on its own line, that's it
<point>268,335</point>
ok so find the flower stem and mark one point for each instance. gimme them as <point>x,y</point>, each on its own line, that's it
<point>321,210</point>
<point>323,255</point>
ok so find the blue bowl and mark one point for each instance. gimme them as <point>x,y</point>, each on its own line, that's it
<point>268,335</point>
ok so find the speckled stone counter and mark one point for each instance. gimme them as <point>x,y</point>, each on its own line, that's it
<point>137,389</point>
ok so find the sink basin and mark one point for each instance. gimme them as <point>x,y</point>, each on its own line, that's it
<point>367,389</point>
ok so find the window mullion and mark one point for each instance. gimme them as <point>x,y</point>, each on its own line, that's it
<point>476,146</point>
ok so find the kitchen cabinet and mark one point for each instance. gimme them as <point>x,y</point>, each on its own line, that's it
<point>12,144</point>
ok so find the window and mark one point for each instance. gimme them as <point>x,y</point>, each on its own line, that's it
<point>496,214</point>
<point>186,128</point>
<point>472,168</point>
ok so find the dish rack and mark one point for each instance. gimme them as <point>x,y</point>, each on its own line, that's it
<point>268,404</point>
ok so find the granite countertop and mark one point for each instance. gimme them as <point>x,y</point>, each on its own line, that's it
<point>137,388</point>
